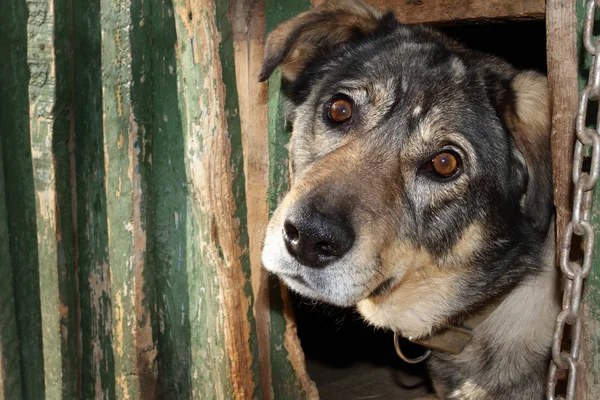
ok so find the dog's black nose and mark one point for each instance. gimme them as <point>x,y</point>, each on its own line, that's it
<point>315,239</point>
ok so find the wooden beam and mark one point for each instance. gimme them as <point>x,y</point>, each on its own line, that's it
<point>90,222</point>
<point>126,113</point>
<point>248,24</point>
<point>10,359</point>
<point>445,11</point>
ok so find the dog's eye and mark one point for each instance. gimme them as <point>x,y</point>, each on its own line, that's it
<point>340,109</point>
<point>444,165</point>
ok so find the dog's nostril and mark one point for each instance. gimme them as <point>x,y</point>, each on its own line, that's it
<point>290,231</point>
<point>326,249</point>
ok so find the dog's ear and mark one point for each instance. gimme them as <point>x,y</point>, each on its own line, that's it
<point>528,119</point>
<point>294,43</point>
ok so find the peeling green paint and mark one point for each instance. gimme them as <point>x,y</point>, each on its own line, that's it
<point>10,360</point>
<point>123,192</point>
<point>97,360</point>
<point>20,190</point>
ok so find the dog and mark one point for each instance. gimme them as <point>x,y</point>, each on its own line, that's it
<point>421,192</point>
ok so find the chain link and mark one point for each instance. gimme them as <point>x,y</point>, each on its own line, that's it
<point>587,146</point>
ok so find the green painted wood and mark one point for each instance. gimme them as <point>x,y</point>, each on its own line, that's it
<point>171,216</point>
<point>10,360</point>
<point>59,349</point>
<point>90,222</point>
<point>20,198</point>
<point>214,311</point>
<point>289,382</point>
<point>62,156</point>
<point>126,127</point>
<point>123,207</point>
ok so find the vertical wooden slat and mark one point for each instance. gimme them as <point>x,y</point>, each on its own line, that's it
<point>90,222</point>
<point>171,216</point>
<point>201,160</point>
<point>20,193</point>
<point>65,212</point>
<point>125,126</point>
<point>562,80</point>
<point>10,360</point>
<point>248,23</point>
<point>59,361</point>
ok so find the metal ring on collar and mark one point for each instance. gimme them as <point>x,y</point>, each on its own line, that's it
<point>406,359</point>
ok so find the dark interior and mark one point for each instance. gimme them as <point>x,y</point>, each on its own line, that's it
<point>348,359</point>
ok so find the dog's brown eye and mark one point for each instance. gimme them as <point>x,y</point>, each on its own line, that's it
<point>340,110</point>
<point>445,164</point>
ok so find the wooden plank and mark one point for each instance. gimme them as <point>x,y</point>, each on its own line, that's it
<point>10,360</point>
<point>212,267</point>
<point>171,215</point>
<point>90,222</point>
<point>64,172</point>
<point>248,23</point>
<point>444,11</point>
<point>126,112</point>
<point>562,82</point>
<point>59,351</point>
<point>20,193</point>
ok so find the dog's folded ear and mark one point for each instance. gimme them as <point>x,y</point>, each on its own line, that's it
<point>298,41</point>
<point>529,122</point>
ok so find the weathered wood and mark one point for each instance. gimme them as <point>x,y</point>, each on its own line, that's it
<point>248,24</point>
<point>219,299</point>
<point>20,193</point>
<point>126,115</point>
<point>10,360</point>
<point>65,198</point>
<point>171,215</point>
<point>562,82</point>
<point>86,145</point>
<point>444,11</point>
<point>59,359</point>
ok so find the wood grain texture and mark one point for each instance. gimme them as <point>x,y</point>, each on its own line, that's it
<point>444,11</point>
<point>60,374</point>
<point>20,197</point>
<point>562,81</point>
<point>10,360</point>
<point>248,25</point>
<point>90,222</point>
<point>224,350</point>
<point>125,129</point>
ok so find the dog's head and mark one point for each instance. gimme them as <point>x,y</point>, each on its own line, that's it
<point>421,170</point>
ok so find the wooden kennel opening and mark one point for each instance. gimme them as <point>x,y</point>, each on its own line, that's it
<point>139,162</point>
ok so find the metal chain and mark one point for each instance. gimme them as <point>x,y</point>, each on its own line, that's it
<point>587,145</point>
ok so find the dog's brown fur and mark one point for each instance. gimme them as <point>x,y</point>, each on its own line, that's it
<point>418,264</point>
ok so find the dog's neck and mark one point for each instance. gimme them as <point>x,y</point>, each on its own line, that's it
<point>511,346</point>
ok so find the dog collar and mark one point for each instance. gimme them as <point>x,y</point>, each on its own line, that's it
<point>452,339</point>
